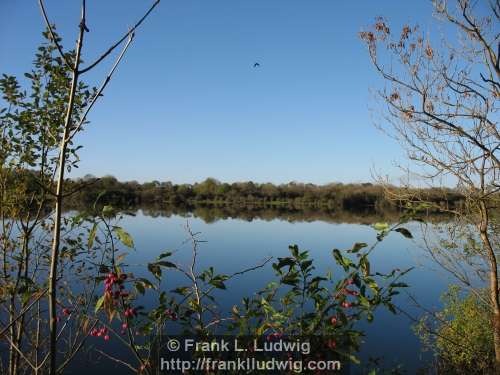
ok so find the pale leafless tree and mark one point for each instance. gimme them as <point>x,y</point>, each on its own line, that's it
<point>441,103</point>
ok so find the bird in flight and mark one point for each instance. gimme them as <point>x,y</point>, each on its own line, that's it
<point>256,65</point>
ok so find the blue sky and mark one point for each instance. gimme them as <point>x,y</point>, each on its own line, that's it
<point>186,103</point>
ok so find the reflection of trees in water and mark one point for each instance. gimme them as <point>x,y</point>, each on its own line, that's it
<point>213,213</point>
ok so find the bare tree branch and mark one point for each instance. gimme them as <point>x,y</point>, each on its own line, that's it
<point>120,41</point>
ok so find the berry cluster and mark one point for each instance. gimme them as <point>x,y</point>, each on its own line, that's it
<point>170,314</point>
<point>114,282</point>
<point>351,292</point>
<point>101,332</point>
<point>114,290</point>
<point>347,292</point>
<point>130,312</point>
<point>66,311</point>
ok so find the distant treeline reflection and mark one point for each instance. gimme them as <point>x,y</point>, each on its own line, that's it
<point>213,213</point>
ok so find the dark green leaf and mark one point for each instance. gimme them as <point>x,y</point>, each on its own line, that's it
<point>405,232</point>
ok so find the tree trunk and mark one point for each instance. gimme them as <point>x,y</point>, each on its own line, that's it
<point>54,259</point>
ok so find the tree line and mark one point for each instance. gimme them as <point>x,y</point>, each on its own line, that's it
<point>334,196</point>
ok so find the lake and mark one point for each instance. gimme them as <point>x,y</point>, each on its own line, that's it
<point>233,244</point>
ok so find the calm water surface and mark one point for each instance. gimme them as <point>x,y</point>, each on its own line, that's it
<point>236,244</point>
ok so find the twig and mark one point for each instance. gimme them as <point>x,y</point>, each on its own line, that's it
<point>23,312</point>
<point>103,86</point>
<point>52,35</point>
<point>117,360</point>
<point>103,56</point>
<point>87,184</point>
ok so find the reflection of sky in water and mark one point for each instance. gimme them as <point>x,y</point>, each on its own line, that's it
<point>234,245</point>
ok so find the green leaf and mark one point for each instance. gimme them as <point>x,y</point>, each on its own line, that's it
<point>164,263</point>
<point>99,304</point>
<point>406,271</point>
<point>341,260</point>
<point>423,206</point>
<point>305,265</point>
<point>283,262</point>
<point>164,255</point>
<point>357,246</point>
<point>155,269</point>
<point>124,237</point>
<point>369,317</point>
<point>364,265</point>
<point>391,308</point>
<point>146,283</point>
<point>294,249</point>
<point>364,301</point>
<point>140,288</point>
<point>181,290</point>
<point>163,298</point>
<point>92,234</point>
<point>399,285</point>
<point>405,232</point>
<point>373,285</point>
<point>381,226</point>
<point>218,284</point>
<point>108,211</point>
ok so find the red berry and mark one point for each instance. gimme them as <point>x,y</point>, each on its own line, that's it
<point>66,311</point>
<point>106,338</point>
<point>352,292</point>
<point>346,304</point>
<point>332,344</point>
<point>333,320</point>
<point>124,326</point>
